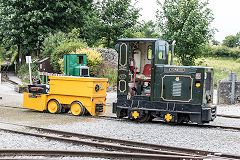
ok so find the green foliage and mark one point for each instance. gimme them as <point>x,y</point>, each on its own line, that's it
<point>143,30</point>
<point>187,22</point>
<point>215,43</point>
<point>8,53</point>
<point>28,22</point>
<point>23,70</point>
<point>52,42</point>
<point>221,65</point>
<point>106,70</point>
<point>232,41</point>
<point>221,51</point>
<point>115,17</point>
<point>94,58</point>
<point>111,74</point>
<point>65,48</point>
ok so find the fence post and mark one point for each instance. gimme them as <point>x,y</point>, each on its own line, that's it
<point>233,78</point>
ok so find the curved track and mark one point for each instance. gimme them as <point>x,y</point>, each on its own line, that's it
<point>228,116</point>
<point>185,124</point>
<point>117,144</point>
<point>119,155</point>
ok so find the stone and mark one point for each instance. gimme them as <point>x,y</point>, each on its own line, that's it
<point>224,91</point>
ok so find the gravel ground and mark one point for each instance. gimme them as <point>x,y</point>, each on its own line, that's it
<point>217,140</point>
<point>9,96</point>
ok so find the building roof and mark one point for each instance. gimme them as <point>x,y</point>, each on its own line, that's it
<point>43,60</point>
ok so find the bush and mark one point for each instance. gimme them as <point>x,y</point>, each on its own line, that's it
<point>64,48</point>
<point>221,51</point>
<point>52,42</point>
<point>94,58</point>
<point>23,72</point>
<point>61,64</point>
<point>234,52</point>
<point>106,70</point>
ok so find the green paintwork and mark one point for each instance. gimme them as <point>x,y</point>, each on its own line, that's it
<point>72,64</point>
<point>123,68</point>
<point>187,80</point>
<point>168,83</point>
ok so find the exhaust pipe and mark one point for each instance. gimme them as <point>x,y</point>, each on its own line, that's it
<point>172,52</point>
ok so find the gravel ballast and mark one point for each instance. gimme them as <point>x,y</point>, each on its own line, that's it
<point>211,139</point>
<point>218,140</point>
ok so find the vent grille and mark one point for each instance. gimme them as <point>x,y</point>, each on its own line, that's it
<point>85,72</point>
<point>98,108</point>
<point>177,89</point>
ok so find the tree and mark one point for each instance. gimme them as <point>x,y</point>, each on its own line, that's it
<point>143,30</point>
<point>215,42</point>
<point>27,22</point>
<point>232,41</point>
<point>187,22</point>
<point>115,17</point>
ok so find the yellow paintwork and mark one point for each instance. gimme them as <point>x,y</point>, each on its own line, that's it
<point>52,107</point>
<point>76,109</point>
<point>198,85</point>
<point>38,103</point>
<point>78,86</point>
<point>168,117</point>
<point>135,114</point>
<point>69,89</point>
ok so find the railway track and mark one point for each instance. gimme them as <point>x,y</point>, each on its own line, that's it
<point>194,125</point>
<point>6,79</point>
<point>228,116</point>
<point>119,155</point>
<point>118,145</point>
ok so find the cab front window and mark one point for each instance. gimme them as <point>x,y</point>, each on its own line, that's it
<point>161,52</point>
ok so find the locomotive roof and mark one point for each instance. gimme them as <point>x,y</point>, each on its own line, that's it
<point>138,39</point>
<point>188,66</point>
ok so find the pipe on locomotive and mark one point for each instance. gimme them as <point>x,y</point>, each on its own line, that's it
<point>172,52</point>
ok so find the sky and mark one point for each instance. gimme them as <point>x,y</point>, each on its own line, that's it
<point>226,15</point>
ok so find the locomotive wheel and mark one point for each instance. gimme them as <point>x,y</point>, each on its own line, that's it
<point>53,106</point>
<point>77,109</point>
<point>144,118</point>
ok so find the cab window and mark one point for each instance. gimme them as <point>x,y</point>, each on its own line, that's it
<point>149,53</point>
<point>80,60</point>
<point>161,52</point>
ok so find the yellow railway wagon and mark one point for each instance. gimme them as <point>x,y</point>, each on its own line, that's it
<point>81,95</point>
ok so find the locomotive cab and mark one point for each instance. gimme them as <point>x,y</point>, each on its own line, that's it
<point>137,58</point>
<point>148,87</point>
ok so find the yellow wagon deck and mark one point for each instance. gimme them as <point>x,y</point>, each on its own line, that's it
<point>81,95</point>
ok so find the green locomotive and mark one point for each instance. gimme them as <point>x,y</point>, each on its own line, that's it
<point>148,87</point>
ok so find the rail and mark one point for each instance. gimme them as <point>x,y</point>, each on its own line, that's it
<point>117,144</point>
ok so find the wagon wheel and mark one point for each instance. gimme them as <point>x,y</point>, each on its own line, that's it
<point>53,106</point>
<point>77,108</point>
<point>144,118</point>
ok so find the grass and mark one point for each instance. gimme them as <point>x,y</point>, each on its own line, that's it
<point>221,65</point>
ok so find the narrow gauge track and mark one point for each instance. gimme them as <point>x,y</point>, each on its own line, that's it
<point>228,116</point>
<point>121,145</point>
<point>121,155</point>
<point>187,124</point>
<point>6,79</point>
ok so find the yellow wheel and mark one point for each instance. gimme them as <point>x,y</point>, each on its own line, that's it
<point>53,106</point>
<point>77,108</point>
